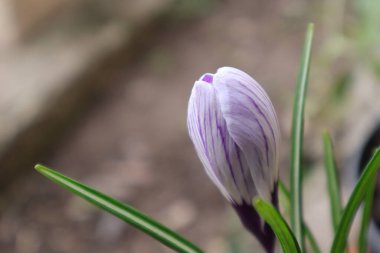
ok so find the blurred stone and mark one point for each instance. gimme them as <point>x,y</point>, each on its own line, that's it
<point>363,111</point>
<point>109,229</point>
<point>46,81</point>
<point>62,241</point>
<point>28,241</point>
<point>8,26</point>
<point>216,245</point>
<point>79,210</point>
<point>179,214</point>
<point>30,14</point>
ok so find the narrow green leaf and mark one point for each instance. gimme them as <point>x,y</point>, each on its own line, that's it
<point>359,192</point>
<point>366,217</point>
<point>308,234</point>
<point>279,226</point>
<point>122,211</point>
<point>297,137</point>
<point>332,181</point>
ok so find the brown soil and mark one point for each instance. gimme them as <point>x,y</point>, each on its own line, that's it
<point>133,144</point>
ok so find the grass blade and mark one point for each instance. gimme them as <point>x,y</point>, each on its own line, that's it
<point>279,226</point>
<point>297,137</point>
<point>359,192</point>
<point>122,211</point>
<point>308,234</point>
<point>332,180</point>
<point>366,217</point>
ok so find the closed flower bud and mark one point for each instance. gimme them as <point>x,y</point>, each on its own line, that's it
<point>235,131</point>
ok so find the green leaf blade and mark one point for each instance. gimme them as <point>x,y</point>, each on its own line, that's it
<point>354,202</point>
<point>122,211</point>
<point>332,180</point>
<point>297,138</point>
<point>308,234</point>
<point>279,226</point>
<point>366,217</point>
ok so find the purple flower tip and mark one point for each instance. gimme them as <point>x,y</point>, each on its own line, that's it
<point>208,78</point>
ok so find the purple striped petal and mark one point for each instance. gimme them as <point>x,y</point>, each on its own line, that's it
<point>223,160</point>
<point>234,128</point>
<point>235,131</point>
<point>252,124</point>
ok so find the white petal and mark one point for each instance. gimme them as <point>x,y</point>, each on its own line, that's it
<point>222,158</point>
<point>252,124</point>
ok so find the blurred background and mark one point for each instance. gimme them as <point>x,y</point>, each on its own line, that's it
<point>98,90</point>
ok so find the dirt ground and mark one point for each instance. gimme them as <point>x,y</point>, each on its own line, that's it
<point>133,143</point>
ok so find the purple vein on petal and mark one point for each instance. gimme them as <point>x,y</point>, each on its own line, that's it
<point>223,138</point>
<point>257,108</point>
<point>200,127</point>
<point>205,131</point>
<point>212,137</point>
<point>259,161</point>
<point>241,167</point>
<point>260,126</point>
<point>265,140</point>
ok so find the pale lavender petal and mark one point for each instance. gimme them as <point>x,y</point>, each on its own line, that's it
<point>252,124</point>
<point>223,160</point>
<point>234,128</point>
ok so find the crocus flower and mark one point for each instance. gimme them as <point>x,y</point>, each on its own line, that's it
<point>233,126</point>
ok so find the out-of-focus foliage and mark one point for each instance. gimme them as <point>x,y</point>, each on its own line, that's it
<point>351,44</point>
<point>358,35</point>
<point>366,29</point>
<point>184,10</point>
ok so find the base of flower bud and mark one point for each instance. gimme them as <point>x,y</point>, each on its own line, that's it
<point>254,224</point>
